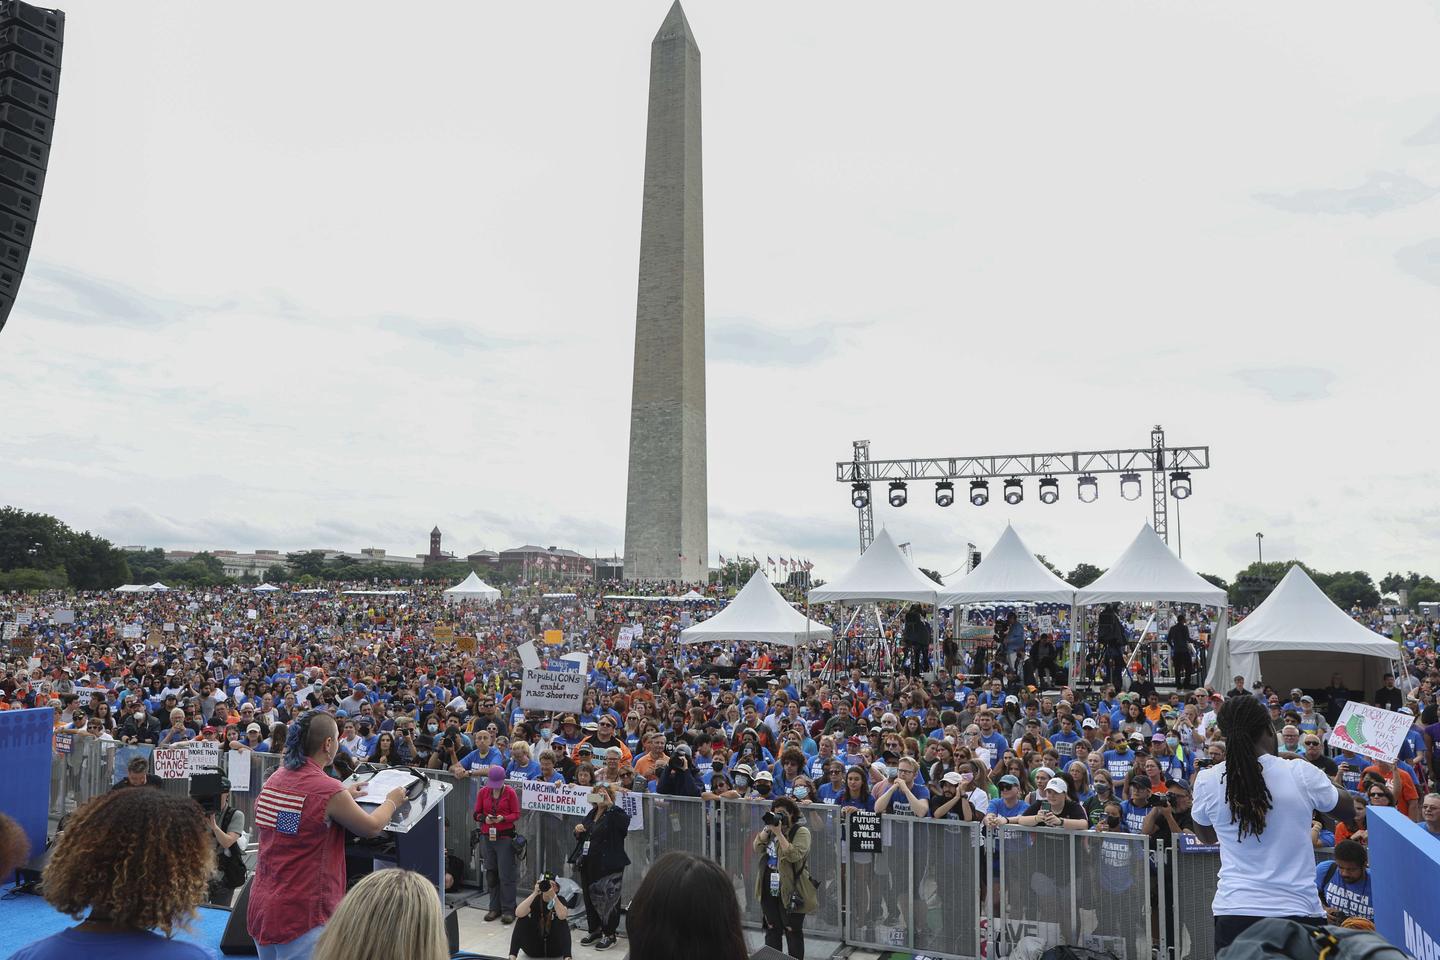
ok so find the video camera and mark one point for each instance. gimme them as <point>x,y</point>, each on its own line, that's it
<point>206,790</point>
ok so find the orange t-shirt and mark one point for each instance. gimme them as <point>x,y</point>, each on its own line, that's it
<point>1400,784</point>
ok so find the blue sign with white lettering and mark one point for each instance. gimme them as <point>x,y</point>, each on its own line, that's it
<point>1404,875</point>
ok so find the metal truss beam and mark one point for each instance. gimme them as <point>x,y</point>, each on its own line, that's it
<point>1024,465</point>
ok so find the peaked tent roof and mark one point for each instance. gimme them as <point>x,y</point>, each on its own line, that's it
<point>691,596</point>
<point>758,614</point>
<point>1148,570</point>
<point>265,588</point>
<point>473,587</point>
<point>158,587</point>
<point>883,572</point>
<point>1299,616</point>
<point>1010,572</point>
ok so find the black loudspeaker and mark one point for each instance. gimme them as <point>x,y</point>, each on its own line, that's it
<point>30,42</point>
<point>236,941</point>
<point>769,953</point>
<point>452,929</point>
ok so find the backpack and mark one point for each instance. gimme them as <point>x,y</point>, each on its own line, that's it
<point>232,861</point>
<point>1275,938</point>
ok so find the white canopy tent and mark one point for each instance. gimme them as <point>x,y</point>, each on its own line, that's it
<point>133,588</point>
<point>1011,572</point>
<point>883,572</point>
<point>1149,570</point>
<point>157,587</point>
<point>266,588</point>
<point>1299,637</point>
<point>692,596</point>
<point>472,588</point>
<point>758,614</point>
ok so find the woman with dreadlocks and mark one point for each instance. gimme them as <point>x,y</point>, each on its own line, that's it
<point>1258,806</point>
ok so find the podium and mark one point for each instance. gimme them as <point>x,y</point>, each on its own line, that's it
<point>418,829</point>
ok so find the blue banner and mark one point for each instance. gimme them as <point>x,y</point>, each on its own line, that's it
<point>25,743</point>
<point>1404,873</point>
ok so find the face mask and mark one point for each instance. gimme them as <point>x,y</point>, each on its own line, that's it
<point>966,777</point>
<point>546,734</point>
<point>139,714</point>
<point>1172,742</point>
<point>1113,821</point>
<point>742,781</point>
<point>802,792</point>
<point>432,727</point>
<point>1102,788</point>
<point>762,787</point>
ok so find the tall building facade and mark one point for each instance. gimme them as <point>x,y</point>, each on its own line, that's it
<point>666,505</point>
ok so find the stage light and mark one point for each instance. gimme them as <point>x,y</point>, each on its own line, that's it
<point>944,493</point>
<point>1089,489</point>
<point>1130,486</point>
<point>1049,490</point>
<point>860,495</point>
<point>1014,491</point>
<point>1180,484</point>
<point>898,493</point>
<point>979,492</point>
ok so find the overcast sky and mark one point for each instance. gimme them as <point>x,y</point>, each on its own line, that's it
<point>330,278</point>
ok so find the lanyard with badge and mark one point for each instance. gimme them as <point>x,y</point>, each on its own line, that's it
<point>774,870</point>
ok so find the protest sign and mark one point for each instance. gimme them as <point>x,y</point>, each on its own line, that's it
<point>25,618</point>
<point>132,631</point>
<point>572,800</point>
<point>155,639</point>
<point>252,614</point>
<point>168,628</point>
<point>623,641</point>
<point>12,630</point>
<point>1372,732</point>
<point>529,659</point>
<point>63,617</point>
<point>172,763</point>
<point>64,742</point>
<point>563,664</point>
<point>631,803</point>
<point>581,661</point>
<point>443,631</point>
<point>466,642</point>
<point>865,832</point>
<point>553,690</point>
<point>204,756</point>
<point>239,770</point>
<point>554,638</point>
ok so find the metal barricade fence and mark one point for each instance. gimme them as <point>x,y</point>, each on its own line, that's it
<point>80,775</point>
<point>737,822</point>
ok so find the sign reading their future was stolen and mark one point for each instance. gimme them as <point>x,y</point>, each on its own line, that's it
<point>1372,732</point>
<point>865,832</point>
<point>553,690</point>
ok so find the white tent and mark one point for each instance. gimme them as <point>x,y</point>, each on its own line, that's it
<point>1148,570</point>
<point>1010,572</point>
<point>1298,637</point>
<point>692,596</point>
<point>133,588</point>
<point>883,572</point>
<point>266,588</point>
<point>472,588</point>
<point>758,614</point>
<point>157,587</point>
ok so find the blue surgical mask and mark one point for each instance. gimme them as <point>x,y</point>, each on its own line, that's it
<point>802,792</point>
<point>1172,742</point>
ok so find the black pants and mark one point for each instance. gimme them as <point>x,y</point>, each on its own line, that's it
<point>1227,928</point>
<point>778,921</point>
<point>526,936</point>
<point>1184,671</point>
<point>595,923</point>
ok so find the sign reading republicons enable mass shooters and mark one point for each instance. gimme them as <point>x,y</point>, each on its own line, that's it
<point>553,690</point>
<point>1372,732</point>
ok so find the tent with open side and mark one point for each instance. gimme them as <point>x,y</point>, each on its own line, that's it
<point>471,588</point>
<point>1010,572</point>
<point>1298,637</point>
<point>758,614</point>
<point>883,572</point>
<point>1149,570</point>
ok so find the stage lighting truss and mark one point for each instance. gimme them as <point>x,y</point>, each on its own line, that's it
<point>860,495</point>
<point>898,493</point>
<point>1014,491</point>
<point>944,493</point>
<point>1180,484</point>
<point>1130,486</point>
<point>1049,490</point>
<point>1088,488</point>
<point>979,492</point>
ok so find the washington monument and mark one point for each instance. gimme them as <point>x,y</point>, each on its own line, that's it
<point>666,507</point>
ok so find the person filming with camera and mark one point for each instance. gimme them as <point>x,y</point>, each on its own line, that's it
<point>679,778</point>
<point>542,928</point>
<point>786,891</point>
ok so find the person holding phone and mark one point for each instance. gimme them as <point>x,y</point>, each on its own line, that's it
<point>497,809</point>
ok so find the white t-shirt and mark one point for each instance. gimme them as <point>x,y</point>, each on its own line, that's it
<point>1272,875</point>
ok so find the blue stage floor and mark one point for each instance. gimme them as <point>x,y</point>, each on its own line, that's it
<point>25,919</point>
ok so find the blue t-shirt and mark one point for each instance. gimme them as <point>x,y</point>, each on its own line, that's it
<point>1351,899</point>
<point>475,759</point>
<point>530,771</point>
<point>828,792</point>
<point>144,945</point>
<point>900,804</point>
<point>1118,764</point>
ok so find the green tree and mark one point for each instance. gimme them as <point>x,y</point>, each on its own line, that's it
<point>1217,581</point>
<point>1352,588</point>
<point>29,578</point>
<point>93,563</point>
<point>310,563</point>
<point>1084,574</point>
<point>1050,566</point>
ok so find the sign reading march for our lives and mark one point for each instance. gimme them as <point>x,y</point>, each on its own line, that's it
<point>1372,732</point>
<point>553,690</point>
<point>572,800</point>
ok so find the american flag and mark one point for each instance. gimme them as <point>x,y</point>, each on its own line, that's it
<point>279,810</point>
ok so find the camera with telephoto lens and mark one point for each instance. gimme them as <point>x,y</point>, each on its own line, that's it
<point>773,819</point>
<point>1159,800</point>
<point>547,880</point>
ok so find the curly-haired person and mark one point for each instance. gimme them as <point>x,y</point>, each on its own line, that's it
<point>139,861</point>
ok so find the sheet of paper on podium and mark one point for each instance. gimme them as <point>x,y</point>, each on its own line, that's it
<point>382,783</point>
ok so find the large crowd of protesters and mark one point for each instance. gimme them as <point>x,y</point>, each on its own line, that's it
<point>991,731</point>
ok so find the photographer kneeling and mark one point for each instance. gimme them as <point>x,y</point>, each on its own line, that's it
<point>541,925</point>
<point>783,884</point>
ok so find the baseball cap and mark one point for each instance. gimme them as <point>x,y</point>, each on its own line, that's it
<point>592,727</point>
<point>1138,779</point>
<point>1158,737</point>
<point>1088,722</point>
<point>952,777</point>
<point>1307,699</point>
<point>745,770</point>
<point>584,748</point>
<point>254,728</point>
<point>765,775</point>
<point>1010,780</point>
<point>1137,735</point>
<point>1056,785</point>
<point>1012,699</point>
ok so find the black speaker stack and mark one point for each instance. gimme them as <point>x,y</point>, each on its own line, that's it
<point>30,42</point>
